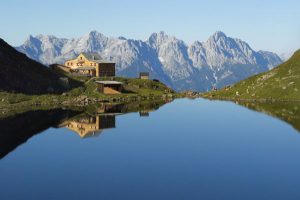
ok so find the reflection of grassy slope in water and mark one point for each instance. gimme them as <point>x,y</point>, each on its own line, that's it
<point>286,111</point>
<point>122,108</point>
<point>17,129</point>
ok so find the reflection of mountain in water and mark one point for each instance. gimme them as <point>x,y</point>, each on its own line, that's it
<point>286,111</point>
<point>17,129</point>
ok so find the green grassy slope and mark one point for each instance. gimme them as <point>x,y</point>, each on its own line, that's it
<point>134,90</point>
<point>281,83</point>
<point>131,87</point>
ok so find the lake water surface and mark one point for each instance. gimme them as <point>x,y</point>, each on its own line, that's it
<point>186,149</point>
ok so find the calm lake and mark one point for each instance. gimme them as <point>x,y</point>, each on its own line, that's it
<point>185,149</point>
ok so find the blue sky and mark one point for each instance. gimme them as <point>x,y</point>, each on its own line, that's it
<point>264,24</point>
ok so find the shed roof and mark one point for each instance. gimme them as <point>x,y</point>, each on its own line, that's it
<point>109,82</point>
<point>144,73</point>
<point>95,57</point>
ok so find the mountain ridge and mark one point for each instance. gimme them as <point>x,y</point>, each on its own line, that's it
<point>217,62</point>
<point>21,74</point>
<point>281,83</point>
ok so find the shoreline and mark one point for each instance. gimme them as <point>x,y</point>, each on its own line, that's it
<point>80,103</point>
<point>260,100</point>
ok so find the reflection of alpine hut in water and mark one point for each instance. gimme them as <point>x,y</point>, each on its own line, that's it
<point>144,113</point>
<point>110,87</point>
<point>91,125</point>
<point>110,108</point>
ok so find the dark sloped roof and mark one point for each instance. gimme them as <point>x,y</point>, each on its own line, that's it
<point>95,57</point>
<point>92,56</point>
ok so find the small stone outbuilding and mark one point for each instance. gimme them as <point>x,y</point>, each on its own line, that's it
<point>110,87</point>
<point>144,75</point>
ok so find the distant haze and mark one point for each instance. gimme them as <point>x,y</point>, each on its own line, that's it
<point>269,25</point>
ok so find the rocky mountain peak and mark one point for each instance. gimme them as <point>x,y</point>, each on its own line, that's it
<point>218,35</point>
<point>219,42</point>
<point>96,34</point>
<point>31,40</point>
<point>156,39</point>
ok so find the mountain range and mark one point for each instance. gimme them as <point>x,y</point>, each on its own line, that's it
<point>218,62</point>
